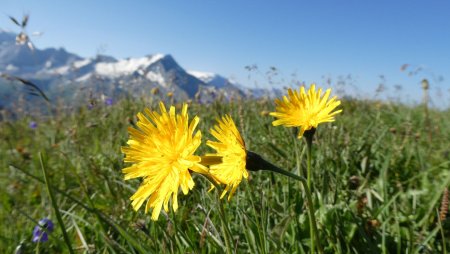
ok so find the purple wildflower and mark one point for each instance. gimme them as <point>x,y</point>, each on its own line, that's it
<point>41,231</point>
<point>109,101</point>
<point>33,125</point>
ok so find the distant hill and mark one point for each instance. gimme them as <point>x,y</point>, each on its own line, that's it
<point>71,78</point>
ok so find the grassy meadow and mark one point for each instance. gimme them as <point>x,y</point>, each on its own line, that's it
<point>380,174</point>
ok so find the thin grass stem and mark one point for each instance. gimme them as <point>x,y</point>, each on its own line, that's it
<point>225,230</point>
<point>55,205</point>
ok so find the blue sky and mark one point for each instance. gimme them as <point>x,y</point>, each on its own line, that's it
<point>311,39</point>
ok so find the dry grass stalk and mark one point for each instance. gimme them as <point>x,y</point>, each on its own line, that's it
<point>444,205</point>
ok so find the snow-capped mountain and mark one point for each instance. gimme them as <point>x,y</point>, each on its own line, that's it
<point>218,82</point>
<point>213,79</point>
<point>56,69</point>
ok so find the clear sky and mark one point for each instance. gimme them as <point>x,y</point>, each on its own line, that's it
<point>311,39</point>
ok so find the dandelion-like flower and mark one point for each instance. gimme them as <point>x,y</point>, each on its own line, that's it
<point>305,110</point>
<point>231,148</point>
<point>163,152</point>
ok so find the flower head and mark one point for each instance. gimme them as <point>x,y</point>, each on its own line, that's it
<point>41,231</point>
<point>163,152</point>
<point>155,91</point>
<point>109,101</point>
<point>33,125</point>
<point>231,148</point>
<point>305,110</point>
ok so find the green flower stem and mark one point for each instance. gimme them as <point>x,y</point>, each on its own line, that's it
<point>309,152</point>
<point>255,163</point>
<point>308,138</point>
<point>308,135</point>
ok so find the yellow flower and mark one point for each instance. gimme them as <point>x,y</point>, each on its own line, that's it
<point>264,113</point>
<point>155,90</point>
<point>305,110</point>
<point>231,148</point>
<point>163,152</point>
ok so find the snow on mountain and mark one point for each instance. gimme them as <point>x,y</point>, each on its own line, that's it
<point>213,79</point>
<point>84,77</point>
<point>203,76</point>
<point>61,70</point>
<point>156,77</point>
<point>81,63</point>
<point>66,69</point>
<point>11,67</point>
<point>126,66</point>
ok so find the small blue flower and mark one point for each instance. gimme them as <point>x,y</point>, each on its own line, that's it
<point>109,101</point>
<point>41,231</point>
<point>33,125</point>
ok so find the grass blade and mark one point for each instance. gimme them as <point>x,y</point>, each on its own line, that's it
<point>55,205</point>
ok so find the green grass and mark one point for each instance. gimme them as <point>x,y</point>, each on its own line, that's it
<point>379,173</point>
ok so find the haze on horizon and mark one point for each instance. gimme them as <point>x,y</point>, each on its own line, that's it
<point>309,42</point>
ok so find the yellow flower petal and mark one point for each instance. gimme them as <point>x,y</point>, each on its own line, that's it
<point>162,149</point>
<point>230,150</point>
<point>305,110</point>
